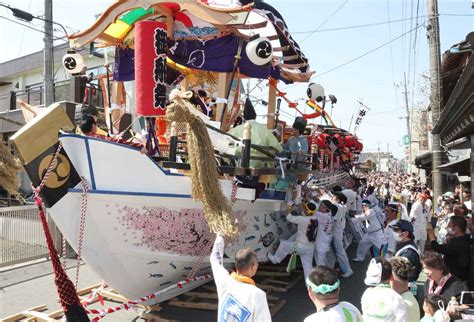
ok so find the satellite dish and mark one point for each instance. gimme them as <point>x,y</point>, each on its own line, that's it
<point>73,62</point>
<point>259,51</point>
<point>315,92</point>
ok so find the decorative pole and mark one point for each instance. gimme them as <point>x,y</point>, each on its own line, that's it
<point>245,163</point>
<point>173,141</point>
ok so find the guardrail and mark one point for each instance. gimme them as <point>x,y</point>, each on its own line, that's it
<point>21,235</point>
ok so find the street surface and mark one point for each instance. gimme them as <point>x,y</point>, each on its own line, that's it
<point>33,285</point>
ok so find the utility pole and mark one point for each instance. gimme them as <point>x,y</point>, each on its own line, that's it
<point>408,120</point>
<point>435,98</point>
<point>48,53</point>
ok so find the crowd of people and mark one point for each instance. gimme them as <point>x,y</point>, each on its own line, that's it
<point>392,220</point>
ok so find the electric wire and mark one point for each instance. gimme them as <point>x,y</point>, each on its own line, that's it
<point>325,21</point>
<point>353,59</point>
<point>391,55</point>
<point>35,29</point>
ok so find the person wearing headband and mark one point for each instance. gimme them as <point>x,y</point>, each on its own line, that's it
<point>391,218</point>
<point>303,241</point>
<point>419,216</point>
<point>339,225</point>
<point>374,236</point>
<point>381,302</point>
<point>324,222</point>
<point>323,289</point>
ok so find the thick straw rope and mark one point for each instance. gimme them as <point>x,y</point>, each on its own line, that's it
<point>9,169</point>
<point>204,174</point>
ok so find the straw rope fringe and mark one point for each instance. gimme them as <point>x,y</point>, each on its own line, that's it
<point>204,174</point>
<point>9,169</point>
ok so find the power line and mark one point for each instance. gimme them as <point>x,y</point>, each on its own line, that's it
<point>355,59</point>
<point>388,22</point>
<point>32,28</point>
<point>367,53</point>
<point>325,21</point>
<point>414,64</point>
<point>354,26</point>
<point>391,54</point>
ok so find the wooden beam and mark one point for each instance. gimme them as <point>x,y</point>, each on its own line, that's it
<point>18,316</point>
<point>223,85</point>
<point>271,107</point>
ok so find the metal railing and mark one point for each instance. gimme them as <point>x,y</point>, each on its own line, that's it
<point>21,235</point>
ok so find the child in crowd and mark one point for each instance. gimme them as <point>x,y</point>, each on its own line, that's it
<point>431,306</point>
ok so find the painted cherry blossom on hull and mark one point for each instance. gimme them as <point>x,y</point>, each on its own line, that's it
<point>181,232</point>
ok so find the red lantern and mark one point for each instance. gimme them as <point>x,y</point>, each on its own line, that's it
<point>349,141</point>
<point>338,140</point>
<point>323,140</point>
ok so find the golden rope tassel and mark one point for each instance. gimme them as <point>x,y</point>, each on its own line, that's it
<point>204,174</point>
<point>9,169</point>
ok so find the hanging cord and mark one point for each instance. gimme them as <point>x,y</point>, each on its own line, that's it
<point>85,190</point>
<point>67,292</point>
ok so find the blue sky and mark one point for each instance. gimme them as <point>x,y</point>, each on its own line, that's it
<point>370,79</point>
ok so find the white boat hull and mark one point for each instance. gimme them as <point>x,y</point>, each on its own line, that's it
<point>143,230</point>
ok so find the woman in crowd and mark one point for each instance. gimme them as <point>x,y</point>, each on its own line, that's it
<point>439,280</point>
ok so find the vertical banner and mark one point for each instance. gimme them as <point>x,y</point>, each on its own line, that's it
<point>360,115</point>
<point>150,68</point>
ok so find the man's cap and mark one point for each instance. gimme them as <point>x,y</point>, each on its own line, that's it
<point>403,225</point>
<point>300,123</point>
<point>366,202</point>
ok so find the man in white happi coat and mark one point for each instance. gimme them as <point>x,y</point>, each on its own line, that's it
<point>239,298</point>
<point>303,242</point>
<point>324,222</point>
<point>339,224</point>
<point>420,217</point>
<point>374,235</point>
<point>391,216</point>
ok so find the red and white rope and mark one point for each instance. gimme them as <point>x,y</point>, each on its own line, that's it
<point>64,251</point>
<point>321,161</point>
<point>331,163</point>
<point>131,303</point>
<point>51,166</point>
<point>85,190</point>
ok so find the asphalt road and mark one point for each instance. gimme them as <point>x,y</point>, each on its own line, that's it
<point>33,285</point>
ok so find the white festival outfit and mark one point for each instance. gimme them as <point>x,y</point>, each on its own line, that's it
<point>381,303</point>
<point>238,301</point>
<point>388,233</point>
<point>339,224</point>
<point>342,312</point>
<point>323,237</point>
<point>303,247</point>
<point>420,218</point>
<point>335,312</point>
<point>374,235</point>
